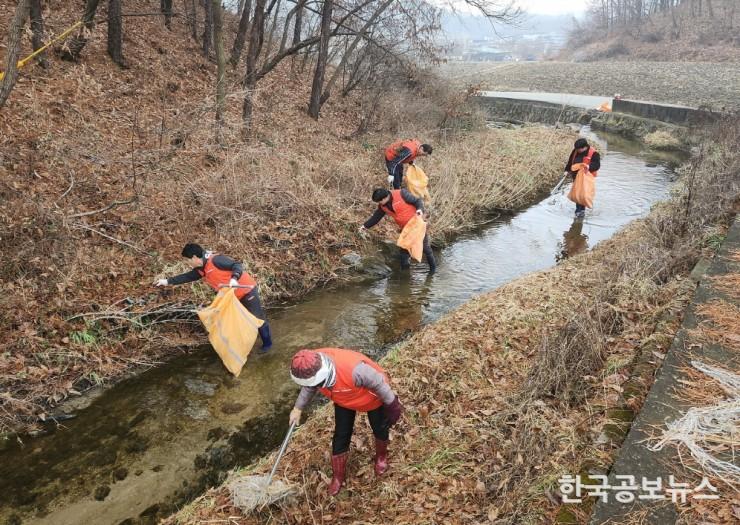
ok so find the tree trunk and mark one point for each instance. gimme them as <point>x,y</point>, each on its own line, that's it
<point>166,7</point>
<point>271,34</point>
<point>37,28</point>
<point>13,50</point>
<point>208,28</point>
<point>115,32</point>
<point>314,105</point>
<point>221,71</point>
<point>191,16</point>
<point>298,22</point>
<point>241,34</point>
<point>77,43</point>
<point>256,35</point>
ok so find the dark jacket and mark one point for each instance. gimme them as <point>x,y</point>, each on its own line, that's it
<point>578,157</point>
<point>222,262</point>
<point>406,195</point>
<point>399,159</point>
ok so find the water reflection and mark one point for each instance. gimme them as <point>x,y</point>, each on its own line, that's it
<point>574,241</point>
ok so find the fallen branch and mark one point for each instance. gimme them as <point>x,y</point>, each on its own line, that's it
<point>112,205</point>
<point>119,241</point>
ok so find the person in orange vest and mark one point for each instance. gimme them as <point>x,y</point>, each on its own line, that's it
<point>401,205</point>
<point>403,152</point>
<point>583,152</point>
<point>219,271</point>
<point>355,383</point>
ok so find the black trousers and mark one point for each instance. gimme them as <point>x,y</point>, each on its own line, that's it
<point>397,173</point>
<point>344,424</point>
<point>405,256</point>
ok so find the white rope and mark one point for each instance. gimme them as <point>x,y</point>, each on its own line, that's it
<point>704,430</point>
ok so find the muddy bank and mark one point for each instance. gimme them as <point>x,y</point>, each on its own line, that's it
<point>518,386</point>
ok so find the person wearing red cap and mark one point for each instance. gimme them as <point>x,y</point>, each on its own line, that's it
<point>355,383</point>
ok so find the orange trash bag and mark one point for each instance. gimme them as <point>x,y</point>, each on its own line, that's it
<point>232,330</point>
<point>412,237</point>
<point>417,182</point>
<point>583,189</point>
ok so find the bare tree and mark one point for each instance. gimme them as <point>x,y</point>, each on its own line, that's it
<point>13,50</point>
<point>256,35</point>
<point>166,7</point>
<point>241,33</point>
<point>218,36</point>
<point>77,43</point>
<point>349,52</point>
<point>115,32</point>
<point>37,30</point>
<point>191,17</point>
<point>208,28</point>
<point>314,106</point>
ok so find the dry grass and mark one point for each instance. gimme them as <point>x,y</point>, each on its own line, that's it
<point>80,137</point>
<point>662,140</point>
<point>488,428</point>
<point>721,323</point>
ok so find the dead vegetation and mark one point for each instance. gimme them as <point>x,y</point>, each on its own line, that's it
<point>106,172</point>
<point>493,418</point>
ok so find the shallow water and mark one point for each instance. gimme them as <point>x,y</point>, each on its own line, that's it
<point>165,434</point>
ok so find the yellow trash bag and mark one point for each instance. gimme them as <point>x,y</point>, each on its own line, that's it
<point>232,330</point>
<point>417,182</point>
<point>412,237</point>
<point>605,107</point>
<point>583,189</point>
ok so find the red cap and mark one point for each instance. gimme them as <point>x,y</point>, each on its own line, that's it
<point>305,364</point>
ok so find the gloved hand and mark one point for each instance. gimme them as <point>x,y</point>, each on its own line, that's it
<point>362,230</point>
<point>393,411</point>
<point>233,283</point>
<point>161,282</point>
<point>420,212</point>
<point>390,179</point>
<point>295,416</point>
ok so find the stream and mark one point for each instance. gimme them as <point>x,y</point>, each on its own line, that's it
<point>156,440</point>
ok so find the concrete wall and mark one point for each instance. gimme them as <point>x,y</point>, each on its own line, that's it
<point>515,110</point>
<point>680,115</point>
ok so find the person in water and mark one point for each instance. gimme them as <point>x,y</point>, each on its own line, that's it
<point>582,153</point>
<point>220,271</point>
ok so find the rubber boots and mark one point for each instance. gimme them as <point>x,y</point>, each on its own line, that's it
<point>266,336</point>
<point>381,456</point>
<point>338,467</point>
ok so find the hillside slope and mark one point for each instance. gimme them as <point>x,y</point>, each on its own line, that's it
<point>106,172</point>
<point>690,32</point>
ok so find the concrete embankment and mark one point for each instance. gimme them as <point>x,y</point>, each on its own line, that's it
<point>630,118</point>
<point>669,398</point>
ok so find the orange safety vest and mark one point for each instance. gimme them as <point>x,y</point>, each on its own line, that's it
<point>586,160</point>
<point>402,211</point>
<point>344,392</point>
<point>215,277</point>
<point>394,149</point>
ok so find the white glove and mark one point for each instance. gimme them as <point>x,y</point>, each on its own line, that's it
<point>295,416</point>
<point>233,283</point>
<point>390,179</point>
<point>420,212</point>
<point>161,282</point>
<point>362,230</point>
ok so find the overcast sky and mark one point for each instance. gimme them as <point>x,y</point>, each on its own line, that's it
<point>552,7</point>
